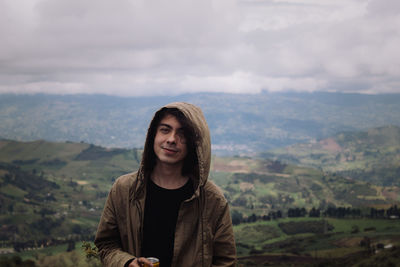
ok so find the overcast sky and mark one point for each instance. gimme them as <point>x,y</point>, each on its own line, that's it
<point>156,47</point>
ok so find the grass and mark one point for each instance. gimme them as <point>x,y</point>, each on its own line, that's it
<point>39,150</point>
<point>13,191</point>
<point>220,178</point>
<point>87,221</point>
<point>58,256</point>
<point>267,237</point>
<point>336,252</point>
<point>257,233</point>
<point>92,179</point>
<point>381,225</point>
<point>48,251</point>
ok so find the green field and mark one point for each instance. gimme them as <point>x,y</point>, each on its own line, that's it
<point>264,242</point>
<point>52,194</point>
<point>370,156</point>
<point>267,239</point>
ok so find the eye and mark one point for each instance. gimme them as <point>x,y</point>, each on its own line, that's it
<point>164,130</point>
<point>181,136</point>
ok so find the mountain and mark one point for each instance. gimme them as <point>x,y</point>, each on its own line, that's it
<point>239,123</point>
<point>372,156</point>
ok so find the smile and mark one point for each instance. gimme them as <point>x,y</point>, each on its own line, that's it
<point>170,150</point>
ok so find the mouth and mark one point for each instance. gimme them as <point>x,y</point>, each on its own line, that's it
<point>170,150</point>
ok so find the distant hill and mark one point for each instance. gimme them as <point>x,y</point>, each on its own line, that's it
<point>239,123</point>
<point>372,156</point>
<point>70,160</point>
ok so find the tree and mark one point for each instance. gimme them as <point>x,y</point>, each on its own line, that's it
<point>297,212</point>
<point>76,229</point>
<point>355,229</point>
<point>314,213</point>
<point>278,214</point>
<point>237,217</point>
<point>252,218</point>
<point>393,211</point>
<point>10,208</point>
<point>71,245</point>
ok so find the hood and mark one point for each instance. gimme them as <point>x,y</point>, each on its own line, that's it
<point>202,146</point>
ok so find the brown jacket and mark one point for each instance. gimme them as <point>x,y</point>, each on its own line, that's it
<point>203,235</point>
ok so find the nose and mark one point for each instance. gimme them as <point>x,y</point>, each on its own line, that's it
<point>171,138</point>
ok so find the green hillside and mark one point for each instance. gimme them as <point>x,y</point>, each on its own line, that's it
<point>50,192</point>
<point>52,195</point>
<point>260,186</point>
<point>76,161</point>
<point>319,242</point>
<point>372,156</point>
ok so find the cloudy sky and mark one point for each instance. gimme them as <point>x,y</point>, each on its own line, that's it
<point>157,47</point>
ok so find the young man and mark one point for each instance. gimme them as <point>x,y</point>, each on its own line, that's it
<point>168,209</point>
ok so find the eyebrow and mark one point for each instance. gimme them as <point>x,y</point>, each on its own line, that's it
<point>169,126</point>
<point>165,125</point>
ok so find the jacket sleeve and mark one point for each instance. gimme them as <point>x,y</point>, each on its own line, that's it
<point>108,239</point>
<point>224,248</point>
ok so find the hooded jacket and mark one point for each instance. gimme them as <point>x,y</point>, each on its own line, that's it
<point>203,233</point>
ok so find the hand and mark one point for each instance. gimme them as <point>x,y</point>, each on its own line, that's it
<point>140,262</point>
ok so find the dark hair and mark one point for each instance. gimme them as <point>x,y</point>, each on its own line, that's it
<point>190,164</point>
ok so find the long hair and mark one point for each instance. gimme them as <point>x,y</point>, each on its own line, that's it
<point>190,163</point>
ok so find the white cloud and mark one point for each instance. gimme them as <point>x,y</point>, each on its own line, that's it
<point>137,47</point>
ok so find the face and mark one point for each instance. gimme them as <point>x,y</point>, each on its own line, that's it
<point>169,142</point>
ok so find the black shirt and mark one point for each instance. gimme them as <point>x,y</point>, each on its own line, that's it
<point>160,215</point>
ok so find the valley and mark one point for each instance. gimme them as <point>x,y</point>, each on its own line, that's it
<point>52,194</point>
